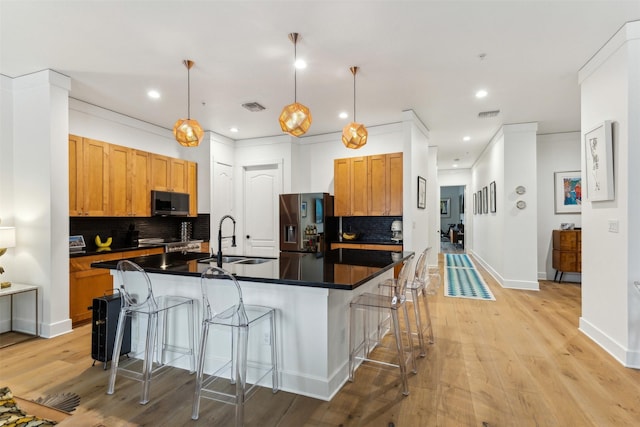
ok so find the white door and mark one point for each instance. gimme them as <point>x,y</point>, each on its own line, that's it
<point>262,187</point>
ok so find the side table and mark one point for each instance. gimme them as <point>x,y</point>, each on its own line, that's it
<point>15,289</point>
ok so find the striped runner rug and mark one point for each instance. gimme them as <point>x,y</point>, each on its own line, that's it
<point>462,280</point>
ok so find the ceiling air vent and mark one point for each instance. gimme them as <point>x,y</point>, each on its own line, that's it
<point>487,114</point>
<point>253,106</point>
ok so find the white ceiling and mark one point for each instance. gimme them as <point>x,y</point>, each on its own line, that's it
<point>418,55</point>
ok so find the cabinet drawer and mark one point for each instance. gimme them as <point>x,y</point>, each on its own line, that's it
<point>566,240</point>
<point>566,261</point>
<point>84,263</point>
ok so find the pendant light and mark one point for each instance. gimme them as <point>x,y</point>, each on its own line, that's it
<point>188,132</point>
<point>354,135</point>
<point>295,119</point>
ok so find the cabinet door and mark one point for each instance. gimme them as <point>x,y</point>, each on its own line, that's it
<point>95,176</point>
<point>192,187</point>
<point>178,175</point>
<point>75,175</point>
<point>160,173</point>
<point>119,187</point>
<point>359,204</point>
<point>377,185</point>
<point>140,183</point>
<point>341,187</point>
<point>394,179</point>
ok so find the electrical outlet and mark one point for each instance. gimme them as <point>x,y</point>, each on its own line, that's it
<point>613,225</point>
<point>266,338</point>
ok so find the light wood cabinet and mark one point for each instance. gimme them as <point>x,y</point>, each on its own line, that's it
<point>368,186</point>
<point>192,187</point>
<point>130,171</point>
<point>567,251</point>
<point>168,174</point>
<point>86,283</point>
<point>342,187</point>
<point>89,177</point>
<point>112,180</point>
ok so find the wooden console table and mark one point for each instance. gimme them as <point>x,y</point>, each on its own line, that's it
<point>567,252</point>
<point>15,289</point>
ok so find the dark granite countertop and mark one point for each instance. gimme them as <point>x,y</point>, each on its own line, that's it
<point>112,249</point>
<point>369,242</point>
<point>335,269</point>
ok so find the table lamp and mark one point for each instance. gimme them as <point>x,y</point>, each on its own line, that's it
<point>7,240</point>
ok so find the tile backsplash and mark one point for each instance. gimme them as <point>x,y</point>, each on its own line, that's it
<point>116,227</point>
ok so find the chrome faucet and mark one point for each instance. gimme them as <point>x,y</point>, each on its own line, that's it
<point>233,238</point>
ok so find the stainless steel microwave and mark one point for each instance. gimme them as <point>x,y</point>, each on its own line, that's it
<point>169,203</point>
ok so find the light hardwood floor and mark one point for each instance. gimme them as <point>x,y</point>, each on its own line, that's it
<point>518,361</point>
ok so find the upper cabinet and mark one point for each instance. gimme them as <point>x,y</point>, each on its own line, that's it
<point>88,177</point>
<point>112,180</point>
<point>130,171</point>
<point>368,186</point>
<point>168,174</point>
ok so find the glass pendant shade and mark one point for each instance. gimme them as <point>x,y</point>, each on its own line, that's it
<point>295,119</point>
<point>354,135</point>
<point>188,132</point>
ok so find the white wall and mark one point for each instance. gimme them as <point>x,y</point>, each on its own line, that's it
<point>610,90</point>
<point>505,242</point>
<point>558,152</point>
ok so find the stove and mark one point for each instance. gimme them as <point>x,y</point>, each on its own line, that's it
<point>173,245</point>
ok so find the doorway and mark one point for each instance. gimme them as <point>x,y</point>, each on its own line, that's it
<point>452,219</point>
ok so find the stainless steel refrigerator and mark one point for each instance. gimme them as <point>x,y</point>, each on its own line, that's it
<point>303,219</point>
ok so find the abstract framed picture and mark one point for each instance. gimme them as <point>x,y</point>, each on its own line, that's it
<point>599,163</point>
<point>479,193</point>
<point>422,193</point>
<point>475,204</point>
<point>567,192</point>
<point>492,197</point>
<point>445,207</point>
<point>485,199</point>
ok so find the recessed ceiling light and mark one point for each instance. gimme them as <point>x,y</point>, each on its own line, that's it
<point>234,130</point>
<point>300,64</point>
<point>455,165</point>
<point>481,93</point>
<point>466,138</point>
<point>343,115</point>
<point>153,94</point>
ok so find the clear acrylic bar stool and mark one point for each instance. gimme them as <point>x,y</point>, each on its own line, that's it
<point>375,302</point>
<point>223,307</point>
<point>138,300</point>
<point>423,283</point>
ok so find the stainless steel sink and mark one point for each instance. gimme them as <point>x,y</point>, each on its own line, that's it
<point>254,261</point>
<point>237,260</point>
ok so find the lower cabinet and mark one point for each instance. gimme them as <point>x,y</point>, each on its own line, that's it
<point>567,251</point>
<point>86,283</point>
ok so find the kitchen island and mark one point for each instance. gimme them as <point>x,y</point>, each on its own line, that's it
<point>311,293</point>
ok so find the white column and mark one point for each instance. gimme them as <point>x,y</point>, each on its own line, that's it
<point>41,192</point>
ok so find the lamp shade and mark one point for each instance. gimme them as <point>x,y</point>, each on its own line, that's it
<point>188,132</point>
<point>354,135</point>
<point>7,237</point>
<point>295,119</point>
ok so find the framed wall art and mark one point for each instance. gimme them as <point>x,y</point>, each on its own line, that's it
<point>567,192</point>
<point>492,196</point>
<point>599,163</point>
<point>422,193</point>
<point>475,203</point>
<point>485,199</point>
<point>479,193</point>
<point>445,207</point>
